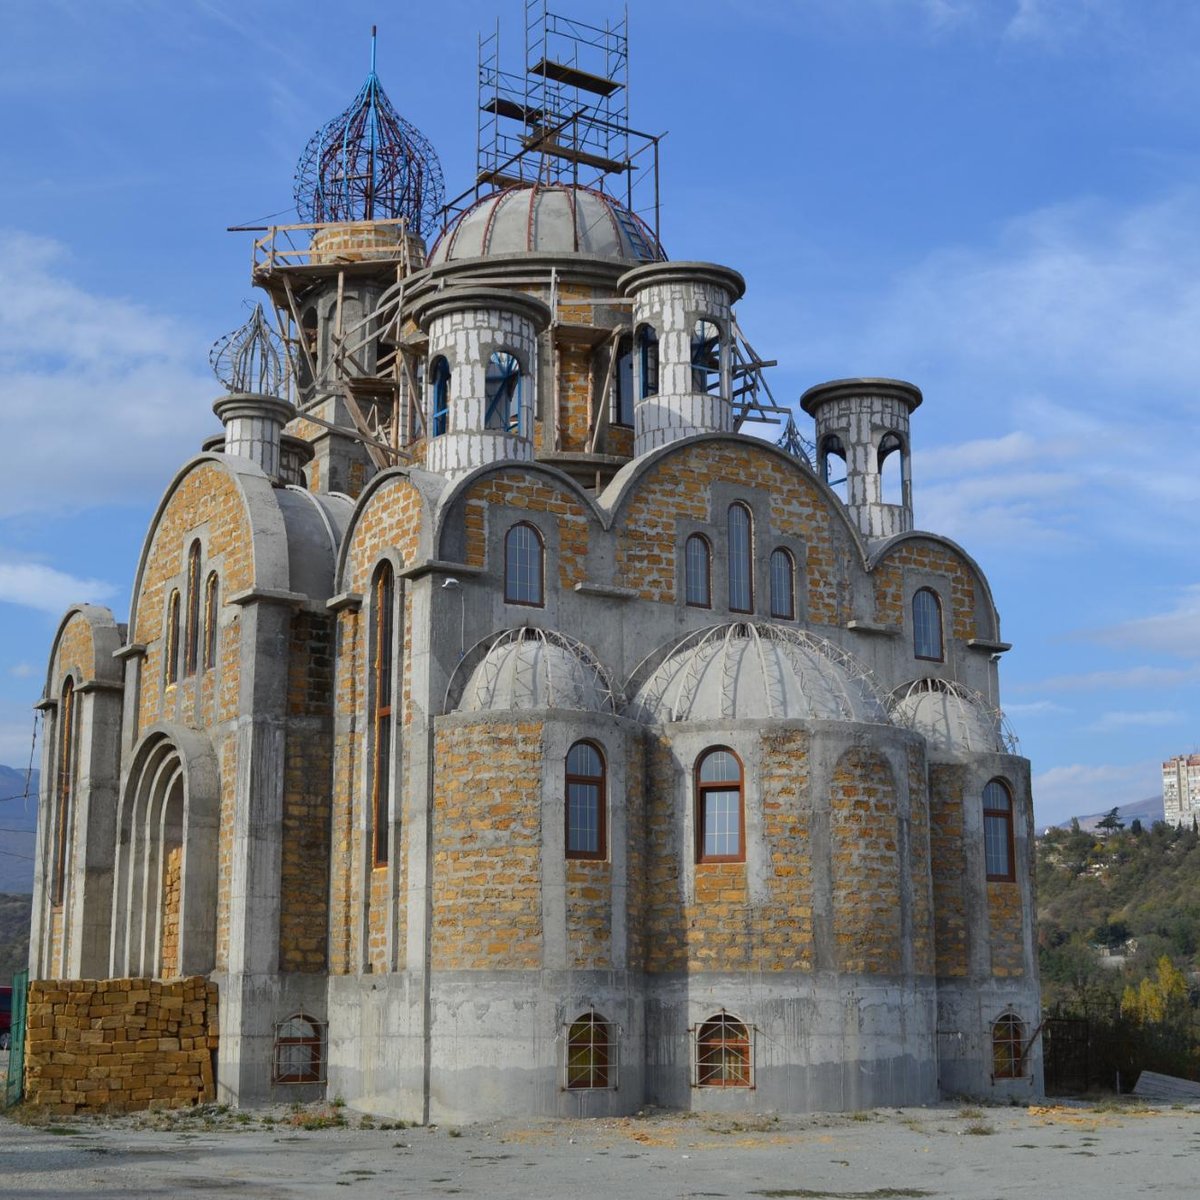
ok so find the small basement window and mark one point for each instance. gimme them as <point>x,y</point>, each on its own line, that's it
<point>724,1053</point>
<point>299,1050</point>
<point>591,1061</point>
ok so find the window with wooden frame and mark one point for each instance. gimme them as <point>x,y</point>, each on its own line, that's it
<point>590,1053</point>
<point>383,597</point>
<point>783,585</point>
<point>191,639</point>
<point>623,398</point>
<point>741,558</point>
<point>439,383</point>
<point>210,621</point>
<point>299,1050</point>
<point>524,566</point>
<point>724,1053</point>
<point>587,817</point>
<point>998,832</point>
<point>171,644</point>
<point>720,807</point>
<point>647,340</point>
<point>927,625</point>
<point>1008,1047</point>
<point>64,790</point>
<point>697,571</point>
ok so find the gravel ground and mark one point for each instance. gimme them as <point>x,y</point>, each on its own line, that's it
<point>1082,1150</point>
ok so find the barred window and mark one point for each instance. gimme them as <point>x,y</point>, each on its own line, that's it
<point>590,1053</point>
<point>524,566</point>
<point>723,1053</point>
<point>927,624</point>
<point>697,572</point>
<point>998,832</point>
<point>1008,1048</point>
<point>587,835</point>
<point>783,585</point>
<point>741,564</point>
<point>299,1050</point>
<point>720,811</point>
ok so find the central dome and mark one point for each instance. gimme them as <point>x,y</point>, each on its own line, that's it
<point>549,218</point>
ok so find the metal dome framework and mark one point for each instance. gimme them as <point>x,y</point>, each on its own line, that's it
<point>648,685</point>
<point>532,670</point>
<point>250,359</point>
<point>901,712</point>
<point>368,164</point>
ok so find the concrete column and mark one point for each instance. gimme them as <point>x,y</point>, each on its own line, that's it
<point>253,426</point>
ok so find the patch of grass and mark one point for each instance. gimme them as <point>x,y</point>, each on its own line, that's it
<point>970,1114</point>
<point>63,1130</point>
<point>979,1129</point>
<point>454,1133</point>
<point>861,1115</point>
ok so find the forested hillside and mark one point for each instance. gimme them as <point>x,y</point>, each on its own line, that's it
<point>14,934</point>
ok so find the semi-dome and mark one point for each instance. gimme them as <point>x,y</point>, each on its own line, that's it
<point>757,671</point>
<point>550,218</point>
<point>534,668</point>
<point>951,718</point>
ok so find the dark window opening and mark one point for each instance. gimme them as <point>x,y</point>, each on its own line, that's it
<point>927,625</point>
<point>524,566</point>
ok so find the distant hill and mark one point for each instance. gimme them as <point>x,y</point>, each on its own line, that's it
<point>18,826</point>
<point>14,934</point>
<point>1147,811</point>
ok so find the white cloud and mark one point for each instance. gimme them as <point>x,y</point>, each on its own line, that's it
<point>1110,722</point>
<point>34,585</point>
<point>103,390</point>
<point>1035,708</point>
<point>1175,632</point>
<point>22,670</point>
<point>1079,789</point>
<point>1125,677</point>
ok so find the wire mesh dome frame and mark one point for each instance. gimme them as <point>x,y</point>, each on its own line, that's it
<point>250,358</point>
<point>482,654</point>
<point>644,706</point>
<point>369,163</point>
<point>1005,735</point>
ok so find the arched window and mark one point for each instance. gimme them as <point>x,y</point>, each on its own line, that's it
<point>299,1056</point>
<point>998,832</point>
<point>623,376</point>
<point>783,585</point>
<point>648,360</point>
<point>171,645</point>
<point>720,812</point>
<point>891,469</point>
<point>502,384</point>
<point>706,357</point>
<point>191,641</point>
<point>382,657</point>
<point>439,381</point>
<point>927,624</point>
<point>723,1057</point>
<point>64,790</point>
<point>587,820</point>
<point>589,1053</point>
<point>524,566</point>
<point>697,571</point>
<point>1008,1048</point>
<point>210,621</point>
<point>741,567</point>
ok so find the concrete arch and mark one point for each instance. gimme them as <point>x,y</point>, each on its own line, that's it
<point>89,658</point>
<point>170,799</point>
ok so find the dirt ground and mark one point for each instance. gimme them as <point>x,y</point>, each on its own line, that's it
<point>1099,1150</point>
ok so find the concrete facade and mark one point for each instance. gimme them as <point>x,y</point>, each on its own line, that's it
<point>575,764</point>
<point>1181,788</point>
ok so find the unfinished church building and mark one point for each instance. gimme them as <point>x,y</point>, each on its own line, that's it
<point>498,724</point>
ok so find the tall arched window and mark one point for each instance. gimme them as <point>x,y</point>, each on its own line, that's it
<point>697,571</point>
<point>382,657</point>
<point>64,790</point>
<point>171,643</point>
<point>648,360</point>
<point>720,810</point>
<point>439,382</point>
<point>998,832</point>
<point>783,585</point>
<point>587,819</point>
<point>191,641</point>
<point>927,624</point>
<point>589,1052</point>
<point>524,566</point>
<point>210,621</point>
<point>706,357</point>
<point>502,383</point>
<point>1008,1048</point>
<point>723,1056</point>
<point>741,563</point>
<point>623,382</point>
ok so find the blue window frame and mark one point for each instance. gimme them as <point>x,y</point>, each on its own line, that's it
<point>502,384</point>
<point>439,379</point>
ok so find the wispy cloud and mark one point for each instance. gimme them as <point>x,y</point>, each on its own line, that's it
<point>1113,722</point>
<point>1125,677</point>
<point>1035,708</point>
<point>1176,631</point>
<point>34,585</point>
<point>1079,789</point>
<point>22,670</point>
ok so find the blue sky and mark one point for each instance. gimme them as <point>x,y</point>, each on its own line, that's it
<point>996,199</point>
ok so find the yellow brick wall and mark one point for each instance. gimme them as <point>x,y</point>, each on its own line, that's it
<point>227,756</point>
<point>946,784</point>
<point>172,886</point>
<point>1004,928</point>
<point>76,648</point>
<point>957,595</point>
<point>120,1044</point>
<point>487,845</point>
<point>866,865</point>
<point>589,914</point>
<point>919,868</point>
